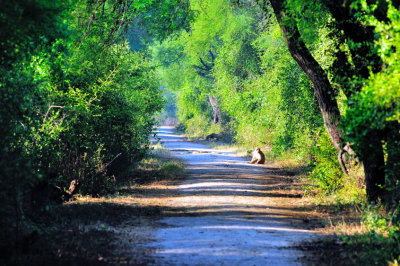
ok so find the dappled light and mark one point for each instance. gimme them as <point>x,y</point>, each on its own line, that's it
<point>223,209</point>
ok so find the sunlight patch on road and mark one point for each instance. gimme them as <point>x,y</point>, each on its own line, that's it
<point>224,252</point>
<point>246,227</point>
<point>223,185</point>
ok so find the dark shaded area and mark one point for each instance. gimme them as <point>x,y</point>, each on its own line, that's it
<point>328,251</point>
<point>77,234</point>
<point>364,249</point>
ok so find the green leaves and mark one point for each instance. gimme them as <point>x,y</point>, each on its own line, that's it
<point>73,95</point>
<point>165,18</point>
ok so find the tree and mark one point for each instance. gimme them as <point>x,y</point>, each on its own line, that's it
<point>64,115</point>
<point>350,73</point>
<point>370,122</point>
<point>323,90</point>
<point>205,70</point>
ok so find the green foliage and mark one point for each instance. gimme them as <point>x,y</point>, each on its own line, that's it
<point>95,112</point>
<point>26,25</point>
<point>75,103</point>
<point>265,97</point>
<point>327,173</point>
<point>166,18</point>
<point>267,100</point>
<point>199,126</point>
<point>381,243</point>
<point>171,169</point>
<point>160,164</point>
<point>374,111</point>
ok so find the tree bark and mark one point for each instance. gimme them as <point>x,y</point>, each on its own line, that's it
<point>374,169</point>
<point>322,88</point>
<point>216,109</point>
<point>373,164</point>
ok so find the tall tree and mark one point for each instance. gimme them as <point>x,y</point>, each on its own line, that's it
<point>322,88</point>
<point>325,94</point>
<point>205,70</point>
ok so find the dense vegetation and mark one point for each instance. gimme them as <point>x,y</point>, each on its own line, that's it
<point>316,81</point>
<point>313,80</point>
<point>76,104</point>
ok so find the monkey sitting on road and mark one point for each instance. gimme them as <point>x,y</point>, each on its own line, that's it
<point>258,157</point>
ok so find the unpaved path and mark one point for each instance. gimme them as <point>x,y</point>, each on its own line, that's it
<point>226,212</point>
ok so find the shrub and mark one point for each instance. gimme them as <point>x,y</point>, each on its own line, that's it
<point>327,173</point>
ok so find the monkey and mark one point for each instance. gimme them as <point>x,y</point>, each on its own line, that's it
<point>212,136</point>
<point>258,157</point>
<point>72,186</point>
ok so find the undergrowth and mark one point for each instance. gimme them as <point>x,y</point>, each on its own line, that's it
<point>84,230</point>
<point>379,244</point>
<point>158,165</point>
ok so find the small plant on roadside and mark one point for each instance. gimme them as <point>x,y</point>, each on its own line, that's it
<point>171,169</point>
<point>159,165</point>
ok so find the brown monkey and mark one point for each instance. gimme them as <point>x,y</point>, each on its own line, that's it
<point>212,136</point>
<point>258,157</point>
<point>72,186</point>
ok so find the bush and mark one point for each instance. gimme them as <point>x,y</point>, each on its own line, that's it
<point>199,126</point>
<point>327,173</point>
<point>90,127</point>
<point>70,107</point>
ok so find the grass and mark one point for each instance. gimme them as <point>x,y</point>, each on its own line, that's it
<point>157,166</point>
<point>361,234</point>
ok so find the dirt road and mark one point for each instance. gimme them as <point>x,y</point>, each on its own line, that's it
<point>227,212</point>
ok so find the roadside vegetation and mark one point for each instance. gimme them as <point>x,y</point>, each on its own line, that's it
<point>255,74</point>
<point>100,230</point>
<point>314,83</point>
<point>77,107</point>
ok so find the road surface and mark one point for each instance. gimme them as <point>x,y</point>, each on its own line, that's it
<point>231,212</point>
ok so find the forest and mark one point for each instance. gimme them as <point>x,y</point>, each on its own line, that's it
<point>314,83</point>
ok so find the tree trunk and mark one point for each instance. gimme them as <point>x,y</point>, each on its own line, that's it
<point>373,164</point>
<point>216,109</point>
<point>392,170</point>
<point>374,169</point>
<point>322,88</point>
